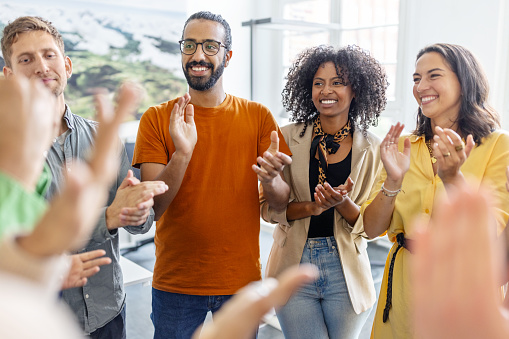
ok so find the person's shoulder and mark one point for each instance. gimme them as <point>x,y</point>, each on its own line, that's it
<point>498,136</point>
<point>82,122</point>
<point>249,104</point>
<point>163,107</point>
<point>498,133</point>
<point>292,127</point>
<point>365,139</point>
<point>372,137</point>
<point>158,114</point>
<point>293,130</point>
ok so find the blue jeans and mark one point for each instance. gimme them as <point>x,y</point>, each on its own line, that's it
<point>177,316</point>
<point>322,309</point>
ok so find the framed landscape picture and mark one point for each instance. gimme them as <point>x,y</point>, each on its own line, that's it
<point>111,41</point>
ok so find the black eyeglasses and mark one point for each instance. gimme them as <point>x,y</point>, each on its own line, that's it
<point>209,47</point>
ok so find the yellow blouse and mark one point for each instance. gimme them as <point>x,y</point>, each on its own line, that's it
<point>486,165</point>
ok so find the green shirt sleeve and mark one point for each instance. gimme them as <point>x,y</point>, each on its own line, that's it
<point>19,209</point>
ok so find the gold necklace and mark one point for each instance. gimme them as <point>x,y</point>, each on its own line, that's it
<point>430,150</point>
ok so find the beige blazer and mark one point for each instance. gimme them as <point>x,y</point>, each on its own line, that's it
<point>290,236</point>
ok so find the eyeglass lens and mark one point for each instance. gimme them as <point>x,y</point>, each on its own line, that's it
<point>209,47</point>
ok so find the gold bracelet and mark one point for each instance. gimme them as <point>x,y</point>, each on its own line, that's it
<point>389,193</point>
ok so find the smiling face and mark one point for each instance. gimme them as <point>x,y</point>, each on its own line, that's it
<point>330,95</point>
<point>437,89</point>
<point>204,71</point>
<point>36,55</point>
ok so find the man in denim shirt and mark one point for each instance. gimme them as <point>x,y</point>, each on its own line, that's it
<point>34,48</point>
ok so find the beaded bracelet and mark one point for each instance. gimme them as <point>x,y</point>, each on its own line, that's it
<point>388,193</point>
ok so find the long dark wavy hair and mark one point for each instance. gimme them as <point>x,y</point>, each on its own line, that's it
<point>476,116</point>
<point>362,72</point>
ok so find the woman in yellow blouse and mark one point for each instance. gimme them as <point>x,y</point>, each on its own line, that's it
<point>455,139</point>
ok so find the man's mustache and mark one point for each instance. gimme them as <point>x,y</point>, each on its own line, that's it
<point>199,63</point>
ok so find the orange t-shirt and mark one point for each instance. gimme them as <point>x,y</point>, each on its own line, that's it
<point>207,241</point>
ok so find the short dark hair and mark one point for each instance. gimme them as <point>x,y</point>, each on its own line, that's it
<point>205,15</point>
<point>356,66</point>
<point>23,25</point>
<point>476,116</point>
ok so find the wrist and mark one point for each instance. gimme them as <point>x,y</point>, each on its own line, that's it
<point>392,185</point>
<point>111,218</point>
<point>342,202</point>
<point>388,192</point>
<point>314,209</point>
<point>184,157</point>
<point>453,180</point>
<point>36,246</point>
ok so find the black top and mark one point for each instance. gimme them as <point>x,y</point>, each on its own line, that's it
<point>323,225</point>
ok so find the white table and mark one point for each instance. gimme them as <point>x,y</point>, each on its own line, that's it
<point>134,273</point>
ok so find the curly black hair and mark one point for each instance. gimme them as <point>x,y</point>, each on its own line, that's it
<point>355,66</point>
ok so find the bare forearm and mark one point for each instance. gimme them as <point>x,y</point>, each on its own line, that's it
<point>22,168</point>
<point>453,182</point>
<point>172,175</point>
<point>349,210</point>
<point>300,210</point>
<point>378,215</point>
<point>276,193</point>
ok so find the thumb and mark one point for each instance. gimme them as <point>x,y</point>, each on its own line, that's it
<point>127,180</point>
<point>274,143</point>
<point>406,148</point>
<point>470,144</point>
<point>349,184</point>
<point>190,114</point>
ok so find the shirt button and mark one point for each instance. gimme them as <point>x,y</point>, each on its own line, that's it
<point>68,169</point>
<point>426,211</point>
<point>86,296</point>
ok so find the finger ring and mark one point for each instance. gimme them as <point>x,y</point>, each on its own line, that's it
<point>447,154</point>
<point>460,147</point>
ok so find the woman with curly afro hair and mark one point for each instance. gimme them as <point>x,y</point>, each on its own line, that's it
<point>333,96</point>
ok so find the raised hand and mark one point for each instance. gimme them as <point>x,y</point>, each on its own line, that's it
<point>450,152</point>
<point>182,126</point>
<point>29,117</point>
<point>327,196</point>
<point>132,203</point>
<point>458,290</point>
<point>83,266</point>
<point>240,316</point>
<point>396,163</point>
<point>273,161</point>
<point>74,212</point>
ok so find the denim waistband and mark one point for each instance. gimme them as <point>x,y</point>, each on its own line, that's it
<point>321,242</point>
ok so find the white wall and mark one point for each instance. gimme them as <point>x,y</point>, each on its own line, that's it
<point>237,74</point>
<point>480,25</point>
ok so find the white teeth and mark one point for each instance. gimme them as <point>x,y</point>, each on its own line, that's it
<point>428,99</point>
<point>328,102</point>
<point>199,69</point>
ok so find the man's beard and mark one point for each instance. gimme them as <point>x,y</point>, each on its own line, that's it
<point>200,83</point>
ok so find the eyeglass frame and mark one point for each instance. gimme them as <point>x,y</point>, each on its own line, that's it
<point>201,43</point>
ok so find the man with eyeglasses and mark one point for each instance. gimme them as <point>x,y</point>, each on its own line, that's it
<point>204,145</point>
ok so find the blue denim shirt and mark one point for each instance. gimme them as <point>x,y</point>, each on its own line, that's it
<point>103,297</point>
